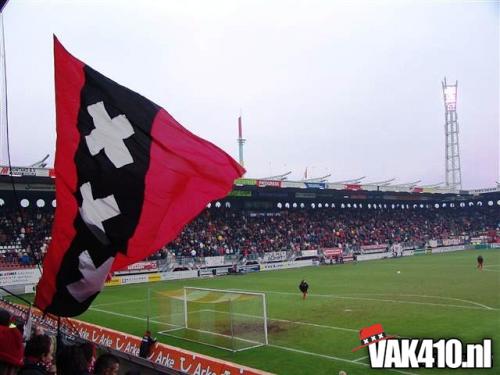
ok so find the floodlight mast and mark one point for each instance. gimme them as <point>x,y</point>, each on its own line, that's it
<point>452,149</point>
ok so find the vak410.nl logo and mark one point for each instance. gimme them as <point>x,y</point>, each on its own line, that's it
<point>387,351</point>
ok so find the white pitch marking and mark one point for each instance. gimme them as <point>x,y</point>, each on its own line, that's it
<point>271,345</point>
<point>360,359</point>
<point>485,269</point>
<point>387,300</point>
<point>426,296</point>
<point>332,357</point>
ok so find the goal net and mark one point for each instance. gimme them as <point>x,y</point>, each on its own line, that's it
<point>230,320</point>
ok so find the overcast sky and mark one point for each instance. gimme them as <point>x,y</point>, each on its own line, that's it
<point>351,88</point>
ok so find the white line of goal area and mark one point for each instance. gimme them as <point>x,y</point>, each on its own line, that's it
<point>286,348</point>
<point>478,306</point>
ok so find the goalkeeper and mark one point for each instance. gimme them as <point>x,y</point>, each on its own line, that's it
<point>304,287</point>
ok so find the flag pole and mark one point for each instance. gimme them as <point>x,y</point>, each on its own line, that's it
<point>149,309</point>
<point>4,118</point>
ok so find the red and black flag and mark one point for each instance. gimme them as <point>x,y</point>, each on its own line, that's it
<point>128,178</point>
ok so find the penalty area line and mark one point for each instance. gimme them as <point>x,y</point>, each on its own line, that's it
<point>360,359</point>
<point>270,345</point>
<point>331,357</point>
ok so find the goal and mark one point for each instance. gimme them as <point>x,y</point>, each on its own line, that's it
<point>226,319</point>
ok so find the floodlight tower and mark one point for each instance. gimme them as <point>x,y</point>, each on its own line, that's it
<point>452,152</point>
<point>241,141</point>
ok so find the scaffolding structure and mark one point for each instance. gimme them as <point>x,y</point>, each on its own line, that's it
<point>452,149</point>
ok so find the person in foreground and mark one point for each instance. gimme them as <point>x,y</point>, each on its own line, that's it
<point>107,364</point>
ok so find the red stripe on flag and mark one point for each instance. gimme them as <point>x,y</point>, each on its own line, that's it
<point>69,80</point>
<point>185,173</point>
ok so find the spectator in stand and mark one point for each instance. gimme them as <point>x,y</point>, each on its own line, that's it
<point>38,356</point>
<point>89,351</point>
<point>71,360</point>
<point>4,318</point>
<point>147,344</point>
<point>107,364</point>
<point>11,350</point>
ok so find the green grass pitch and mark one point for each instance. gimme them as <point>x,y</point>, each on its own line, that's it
<point>433,296</point>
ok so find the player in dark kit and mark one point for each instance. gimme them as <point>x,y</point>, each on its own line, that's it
<point>480,261</point>
<point>304,286</point>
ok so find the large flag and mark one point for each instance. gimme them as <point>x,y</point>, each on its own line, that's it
<point>128,178</point>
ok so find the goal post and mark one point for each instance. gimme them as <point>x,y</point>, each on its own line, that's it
<point>227,319</point>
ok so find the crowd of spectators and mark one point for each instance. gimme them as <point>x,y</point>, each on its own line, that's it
<point>226,231</point>
<point>38,353</point>
<point>24,234</point>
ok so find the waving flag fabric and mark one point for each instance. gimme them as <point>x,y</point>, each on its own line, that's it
<point>128,178</point>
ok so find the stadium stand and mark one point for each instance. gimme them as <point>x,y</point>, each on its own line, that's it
<point>25,233</point>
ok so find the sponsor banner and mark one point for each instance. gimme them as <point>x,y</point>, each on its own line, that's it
<point>335,186</point>
<point>26,171</point>
<point>220,271</point>
<point>214,261</point>
<point>139,267</point>
<point>373,248</point>
<point>274,256</point>
<point>315,185</point>
<point>240,193</point>
<point>309,253</point>
<point>479,240</point>
<point>143,266</point>
<point>352,187</point>
<point>305,195</point>
<point>154,277</point>
<point>249,268</point>
<point>285,265</point>
<point>447,249</point>
<point>178,275</point>
<point>481,191</point>
<point>332,252</point>
<point>246,181</point>
<point>292,184</point>
<point>19,277</point>
<point>372,256</point>
<point>115,280</point>
<point>272,183</point>
<point>134,279</point>
<point>430,190</point>
<point>452,242</point>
